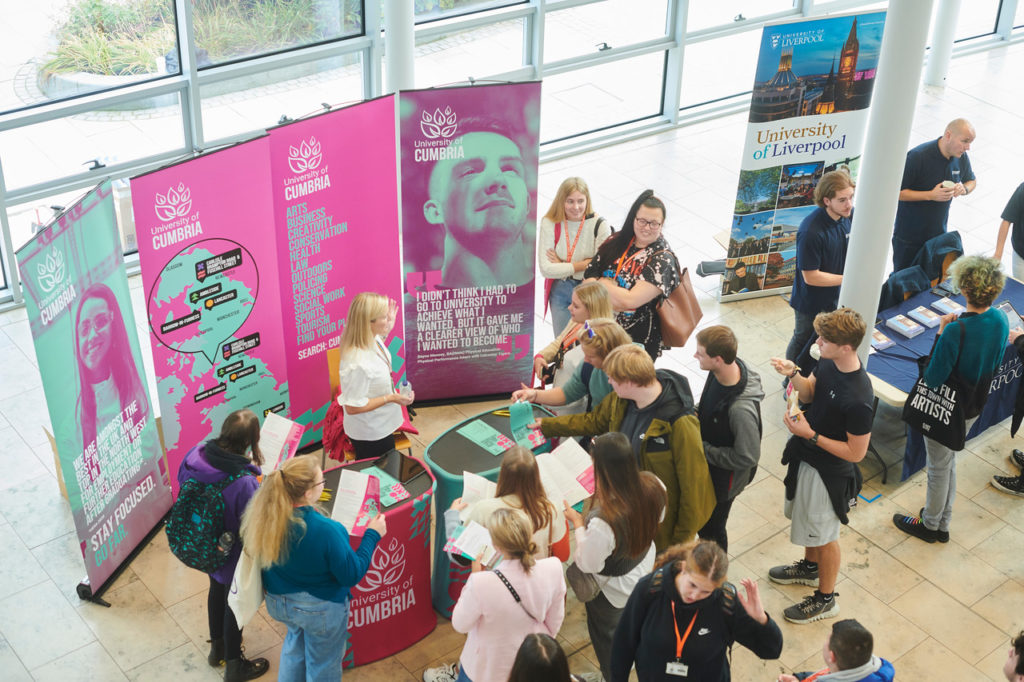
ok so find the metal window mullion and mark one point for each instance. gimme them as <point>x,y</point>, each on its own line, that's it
<point>672,88</point>
<point>13,283</point>
<point>191,103</point>
<point>533,38</point>
<point>607,56</point>
<point>373,51</point>
<point>436,31</point>
<point>1004,22</point>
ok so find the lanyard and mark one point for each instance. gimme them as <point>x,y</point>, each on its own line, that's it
<point>570,340</point>
<point>623,261</point>
<point>681,642</point>
<point>569,250</point>
<point>818,674</point>
<point>384,355</point>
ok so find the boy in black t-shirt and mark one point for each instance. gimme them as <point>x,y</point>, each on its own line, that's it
<point>827,442</point>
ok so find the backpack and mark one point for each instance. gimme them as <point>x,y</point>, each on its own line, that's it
<point>196,523</point>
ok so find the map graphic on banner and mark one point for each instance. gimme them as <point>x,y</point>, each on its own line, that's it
<point>469,208</point>
<point>808,116</point>
<point>209,269</point>
<point>80,314</point>
<point>333,241</point>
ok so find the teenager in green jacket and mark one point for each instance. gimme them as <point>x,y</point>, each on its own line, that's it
<point>654,409</point>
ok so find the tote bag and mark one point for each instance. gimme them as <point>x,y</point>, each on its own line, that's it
<point>246,593</point>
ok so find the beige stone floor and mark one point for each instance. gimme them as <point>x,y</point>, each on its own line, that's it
<point>941,612</point>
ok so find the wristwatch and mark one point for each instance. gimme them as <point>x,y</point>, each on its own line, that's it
<point>814,438</point>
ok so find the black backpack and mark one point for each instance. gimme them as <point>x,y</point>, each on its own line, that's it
<point>196,523</point>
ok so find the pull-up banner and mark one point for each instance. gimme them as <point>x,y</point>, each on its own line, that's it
<point>80,313</point>
<point>808,116</point>
<point>210,276</point>
<point>469,209</point>
<point>335,191</point>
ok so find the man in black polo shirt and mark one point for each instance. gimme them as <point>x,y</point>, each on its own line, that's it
<point>821,245</point>
<point>935,172</point>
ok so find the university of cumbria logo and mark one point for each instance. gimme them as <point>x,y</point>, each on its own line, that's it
<point>306,156</point>
<point>439,124</point>
<point>173,205</point>
<point>51,271</point>
<point>387,567</point>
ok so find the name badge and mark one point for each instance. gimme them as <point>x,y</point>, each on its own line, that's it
<point>676,668</point>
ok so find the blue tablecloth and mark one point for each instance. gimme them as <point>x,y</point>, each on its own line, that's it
<point>897,365</point>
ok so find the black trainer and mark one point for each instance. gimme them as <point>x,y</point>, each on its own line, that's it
<point>216,657</point>
<point>1009,484</point>
<point>796,572</point>
<point>940,535</point>
<point>813,607</point>
<point>1017,459</point>
<point>913,525</point>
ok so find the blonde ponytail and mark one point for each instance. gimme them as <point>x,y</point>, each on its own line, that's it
<point>270,515</point>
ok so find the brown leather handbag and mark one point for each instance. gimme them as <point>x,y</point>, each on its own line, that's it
<point>679,312</point>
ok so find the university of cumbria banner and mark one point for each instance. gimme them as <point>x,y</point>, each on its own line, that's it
<point>469,205</point>
<point>335,192</point>
<point>808,116</point>
<point>80,314</point>
<point>210,275</point>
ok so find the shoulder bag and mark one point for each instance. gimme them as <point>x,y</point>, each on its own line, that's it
<point>679,312</point>
<point>941,414</point>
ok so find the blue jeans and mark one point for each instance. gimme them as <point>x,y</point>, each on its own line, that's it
<point>559,300</point>
<point>803,330</point>
<point>463,677</point>
<point>316,639</point>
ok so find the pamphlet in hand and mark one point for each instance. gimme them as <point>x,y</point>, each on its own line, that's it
<point>559,482</point>
<point>520,418</point>
<point>357,501</point>
<point>1012,316</point>
<point>578,461</point>
<point>473,542</point>
<point>474,489</point>
<point>279,440</point>
<point>391,491</point>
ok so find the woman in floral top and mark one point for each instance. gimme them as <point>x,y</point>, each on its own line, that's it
<point>638,269</point>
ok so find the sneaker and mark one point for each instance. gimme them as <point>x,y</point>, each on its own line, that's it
<point>812,608</point>
<point>1010,484</point>
<point>940,535</point>
<point>448,672</point>
<point>1017,459</point>
<point>796,572</point>
<point>913,525</point>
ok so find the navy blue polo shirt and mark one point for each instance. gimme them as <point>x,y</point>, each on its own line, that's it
<point>820,245</point>
<point>1014,214</point>
<point>919,221</point>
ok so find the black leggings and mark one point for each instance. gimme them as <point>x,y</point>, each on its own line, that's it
<point>371,449</point>
<point>222,620</point>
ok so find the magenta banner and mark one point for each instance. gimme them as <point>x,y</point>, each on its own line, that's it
<point>210,275</point>
<point>469,209</point>
<point>335,192</point>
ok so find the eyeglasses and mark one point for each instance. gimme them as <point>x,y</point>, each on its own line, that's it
<point>641,222</point>
<point>99,323</point>
<point>588,329</point>
<point>320,482</point>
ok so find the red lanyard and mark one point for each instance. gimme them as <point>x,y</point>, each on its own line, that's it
<point>569,251</point>
<point>680,642</point>
<point>627,260</point>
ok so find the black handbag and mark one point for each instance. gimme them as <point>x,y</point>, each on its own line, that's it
<point>942,413</point>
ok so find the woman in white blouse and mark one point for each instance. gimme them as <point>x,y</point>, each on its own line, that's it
<point>372,406</point>
<point>616,542</point>
<point>570,233</point>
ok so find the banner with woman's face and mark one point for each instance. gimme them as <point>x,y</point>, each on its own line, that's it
<point>80,314</point>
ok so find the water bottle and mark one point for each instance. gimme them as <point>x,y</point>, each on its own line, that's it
<point>225,542</point>
<point>405,389</point>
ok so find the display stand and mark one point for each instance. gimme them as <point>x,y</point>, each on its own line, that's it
<point>448,456</point>
<point>390,608</point>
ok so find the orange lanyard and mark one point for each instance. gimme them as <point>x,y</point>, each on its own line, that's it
<point>627,260</point>
<point>570,340</point>
<point>569,251</point>
<point>818,674</point>
<point>680,642</point>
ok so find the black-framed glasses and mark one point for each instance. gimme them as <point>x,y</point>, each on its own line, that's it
<point>643,222</point>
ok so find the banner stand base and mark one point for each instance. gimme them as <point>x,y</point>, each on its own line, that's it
<point>84,589</point>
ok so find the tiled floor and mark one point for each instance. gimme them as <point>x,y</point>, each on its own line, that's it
<point>941,612</point>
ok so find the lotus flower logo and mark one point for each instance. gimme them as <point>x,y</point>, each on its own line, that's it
<point>387,567</point>
<point>438,124</point>
<point>175,204</point>
<point>305,157</point>
<point>51,271</point>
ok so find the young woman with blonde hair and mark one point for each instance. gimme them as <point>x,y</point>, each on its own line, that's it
<point>308,567</point>
<point>687,593</point>
<point>570,234</point>
<point>372,406</point>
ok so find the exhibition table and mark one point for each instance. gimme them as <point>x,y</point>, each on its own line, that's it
<point>893,371</point>
<point>390,608</point>
<point>448,456</point>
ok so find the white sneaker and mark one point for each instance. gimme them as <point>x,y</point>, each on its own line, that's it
<point>445,673</point>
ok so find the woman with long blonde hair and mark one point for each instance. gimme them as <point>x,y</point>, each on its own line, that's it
<point>308,567</point>
<point>373,408</point>
<point>570,233</point>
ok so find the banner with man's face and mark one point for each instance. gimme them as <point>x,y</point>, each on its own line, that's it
<point>469,210</point>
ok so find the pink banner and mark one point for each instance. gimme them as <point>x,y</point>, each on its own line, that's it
<point>335,193</point>
<point>210,276</point>
<point>469,211</point>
